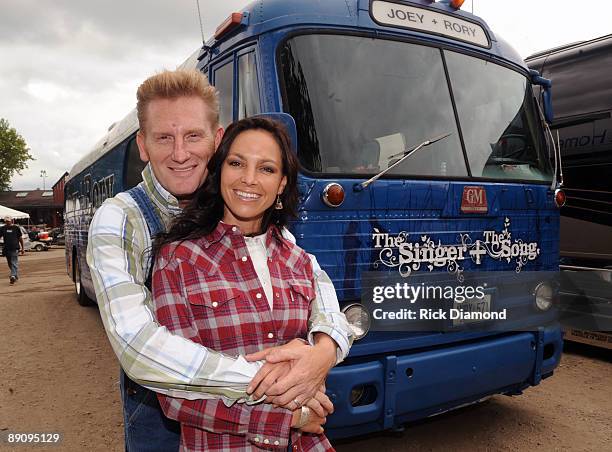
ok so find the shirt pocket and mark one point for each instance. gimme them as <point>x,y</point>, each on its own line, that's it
<point>218,317</point>
<point>215,299</point>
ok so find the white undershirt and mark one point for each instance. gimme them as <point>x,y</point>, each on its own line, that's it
<point>259,255</point>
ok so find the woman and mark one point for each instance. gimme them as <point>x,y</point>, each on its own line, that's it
<point>225,277</point>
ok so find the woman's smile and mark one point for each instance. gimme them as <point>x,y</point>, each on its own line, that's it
<point>247,196</point>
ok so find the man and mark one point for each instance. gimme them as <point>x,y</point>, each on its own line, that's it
<point>179,131</point>
<point>13,246</point>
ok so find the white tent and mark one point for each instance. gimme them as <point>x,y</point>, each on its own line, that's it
<point>14,214</point>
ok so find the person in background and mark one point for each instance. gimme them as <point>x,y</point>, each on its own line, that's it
<point>13,246</point>
<point>226,277</point>
<point>33,234</point>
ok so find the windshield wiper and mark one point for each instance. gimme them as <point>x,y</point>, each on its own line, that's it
<point>407,153</point>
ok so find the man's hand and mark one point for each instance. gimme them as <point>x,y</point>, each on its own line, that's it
<point>309,368</point>
<point>267,376</point>
<point>263,379</point>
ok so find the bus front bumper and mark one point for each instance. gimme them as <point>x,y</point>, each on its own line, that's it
<point>397,388</point>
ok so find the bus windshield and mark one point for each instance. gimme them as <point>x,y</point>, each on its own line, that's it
<point>360,102</point>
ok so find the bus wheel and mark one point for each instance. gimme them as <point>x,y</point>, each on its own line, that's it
<point>81,296</point>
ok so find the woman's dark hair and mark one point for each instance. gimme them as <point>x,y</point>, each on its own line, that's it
<point>206,208</point>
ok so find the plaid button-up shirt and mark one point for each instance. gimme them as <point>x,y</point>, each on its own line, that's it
<point>119,259</point>
<point>207,290</point>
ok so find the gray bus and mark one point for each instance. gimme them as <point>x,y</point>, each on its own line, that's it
<point>582,105</point>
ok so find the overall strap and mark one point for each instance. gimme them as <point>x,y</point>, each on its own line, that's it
<point>152,220</point>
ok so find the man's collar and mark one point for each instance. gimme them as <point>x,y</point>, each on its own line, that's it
<point>160,196</point>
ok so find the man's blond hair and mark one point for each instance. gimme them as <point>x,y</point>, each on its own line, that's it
<point>175,84</point>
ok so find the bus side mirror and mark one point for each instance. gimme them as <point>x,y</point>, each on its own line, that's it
<point>546,85</point>
<point>287,121</point>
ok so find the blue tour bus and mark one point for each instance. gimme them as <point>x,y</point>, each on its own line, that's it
<point>365,82</point>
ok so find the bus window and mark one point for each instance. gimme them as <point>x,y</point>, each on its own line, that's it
<point>353,121</point>
<point>501,133</point>
<point>69,206</point>
<point>133,165</point>
<point>248,88</point>
<point>224,82</point>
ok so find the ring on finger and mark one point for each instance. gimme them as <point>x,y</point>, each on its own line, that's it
<point>297,404</point>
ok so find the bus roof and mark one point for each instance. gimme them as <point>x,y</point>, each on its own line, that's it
<point>263,16</point>
<point>566,50</point>
<point>580,77</point>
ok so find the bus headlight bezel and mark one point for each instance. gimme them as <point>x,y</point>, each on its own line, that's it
<point>358,319</point>
<point>544,296</point>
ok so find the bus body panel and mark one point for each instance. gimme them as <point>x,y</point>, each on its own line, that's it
<point>342,238</point>
<point>85,192</point>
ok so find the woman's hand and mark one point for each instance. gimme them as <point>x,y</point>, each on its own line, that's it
<point>320,404</point>
<point>312,424</point>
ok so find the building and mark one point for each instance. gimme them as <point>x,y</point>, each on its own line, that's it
<point>58,190</point>
<point>39,204</point>
<point>45,207</point>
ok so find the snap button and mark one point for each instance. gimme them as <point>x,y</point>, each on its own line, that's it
<point>266,441</point>
<point>215,304</point>
<point>277,295</point>
<point>256,440</point>
<point>258,295</point>
<point>234,229</point>
<point>270,335</point>
<point>244,258</point>
<point>276,443</point>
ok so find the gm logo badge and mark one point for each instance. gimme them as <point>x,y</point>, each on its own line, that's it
<point>474,200</point>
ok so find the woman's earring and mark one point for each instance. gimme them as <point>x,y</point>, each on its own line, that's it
<point>279,203</point>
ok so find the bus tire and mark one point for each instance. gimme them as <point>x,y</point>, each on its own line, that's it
<point>81,296</point>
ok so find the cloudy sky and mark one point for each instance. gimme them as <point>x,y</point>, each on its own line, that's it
<point>70,68</point>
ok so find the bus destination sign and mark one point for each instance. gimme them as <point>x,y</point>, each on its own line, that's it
<point>404,16</point>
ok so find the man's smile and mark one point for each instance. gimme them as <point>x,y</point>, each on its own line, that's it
<point>183,169</point>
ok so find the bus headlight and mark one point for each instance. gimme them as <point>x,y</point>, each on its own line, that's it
<point>358,319</point>
<point>544,294</point>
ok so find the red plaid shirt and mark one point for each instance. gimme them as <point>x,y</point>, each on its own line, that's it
<point>207,290</point>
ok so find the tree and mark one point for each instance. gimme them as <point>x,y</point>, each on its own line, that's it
<point>14,154</point>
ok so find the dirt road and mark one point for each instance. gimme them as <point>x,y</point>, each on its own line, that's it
<point>59,374</point>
